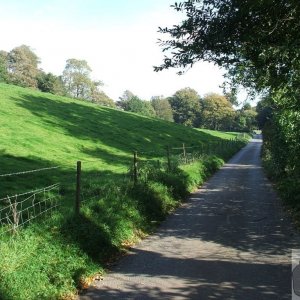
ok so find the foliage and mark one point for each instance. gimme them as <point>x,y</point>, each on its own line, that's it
<point>217,112</point>
<point>76,78</point>
<point>280,153</point>
<point>99,97</point>
<point>256,41</point>
<point>264,111</point>
<point>126,96</point>
<point>3,66</point>
<point>132,103</point>
<point>186,107</point>
<point>22,64</point>
<point>245,119</point>
<point>163,109</point>
<point>50,83</point>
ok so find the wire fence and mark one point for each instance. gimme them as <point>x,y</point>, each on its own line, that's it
<point>91,181</point>
<point>18,210</point>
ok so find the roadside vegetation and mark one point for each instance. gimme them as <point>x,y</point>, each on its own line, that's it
<point>54,256</point>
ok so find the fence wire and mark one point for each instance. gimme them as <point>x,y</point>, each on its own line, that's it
<point>28,172</point>
<point>18,210</point>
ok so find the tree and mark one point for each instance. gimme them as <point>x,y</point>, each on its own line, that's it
<point>162,107</point>
<point>186,107</point>
<point>127,95</point>
<point>3,66</point>
<point>217,112</point>
<point>76,78</point>
<point>99,97</point>
<point>130,102</point>
<point>50,83</point>
<point>136,105</point>
<point>245,119</point>
<point>264,112</point>
<point>256,41</point>
<point>22,64</point>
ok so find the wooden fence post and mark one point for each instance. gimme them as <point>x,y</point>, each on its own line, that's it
<point>78,188</point>
<point>135,166</point>
<point>169,159</point>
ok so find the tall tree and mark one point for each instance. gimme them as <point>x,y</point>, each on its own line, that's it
<point>76,78</point>
<point>186,107</point>
<point>99,97</point>
<point>217,112</point>
<point>22,65</point>
<point>264,111</point>
<point>126,96</point>
<point>162,107</point>
<point>245,119</point>
<point>3,66</point>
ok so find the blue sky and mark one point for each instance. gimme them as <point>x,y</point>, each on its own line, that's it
<point>117,38</point>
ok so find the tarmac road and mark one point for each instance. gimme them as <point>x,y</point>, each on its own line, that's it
<point>231,240</point>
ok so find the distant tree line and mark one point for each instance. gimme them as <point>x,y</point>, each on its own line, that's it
<point>20,67</point>
<point>186,107</point>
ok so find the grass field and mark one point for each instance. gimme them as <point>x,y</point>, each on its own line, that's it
<point>40,130</point>
<point>51,258</point>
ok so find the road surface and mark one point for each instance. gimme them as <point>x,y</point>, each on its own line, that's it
<point>231,240</point>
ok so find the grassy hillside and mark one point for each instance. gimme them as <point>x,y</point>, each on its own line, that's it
<point>40,130</point>
<point>51,258</point>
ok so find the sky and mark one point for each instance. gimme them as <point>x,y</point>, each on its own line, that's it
<point>118,39</point>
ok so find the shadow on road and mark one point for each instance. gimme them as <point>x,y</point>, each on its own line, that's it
<point>241,279</point>
<point>230,241</point>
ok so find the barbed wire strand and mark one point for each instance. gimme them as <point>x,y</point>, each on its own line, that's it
<point>27,172</point>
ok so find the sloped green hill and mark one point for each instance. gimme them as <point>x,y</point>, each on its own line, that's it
<point>40,130</point>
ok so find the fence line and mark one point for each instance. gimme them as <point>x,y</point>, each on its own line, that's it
<point>20,211</point>
<point>28,172</point>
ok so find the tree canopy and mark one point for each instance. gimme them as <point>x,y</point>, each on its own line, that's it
<point>162,107</point>
<point>22,66</point>
<point>76,78</point>
<point>257,41</point>
<point>130,102</point>
<point>186,107</point>
<point>217,112</point>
